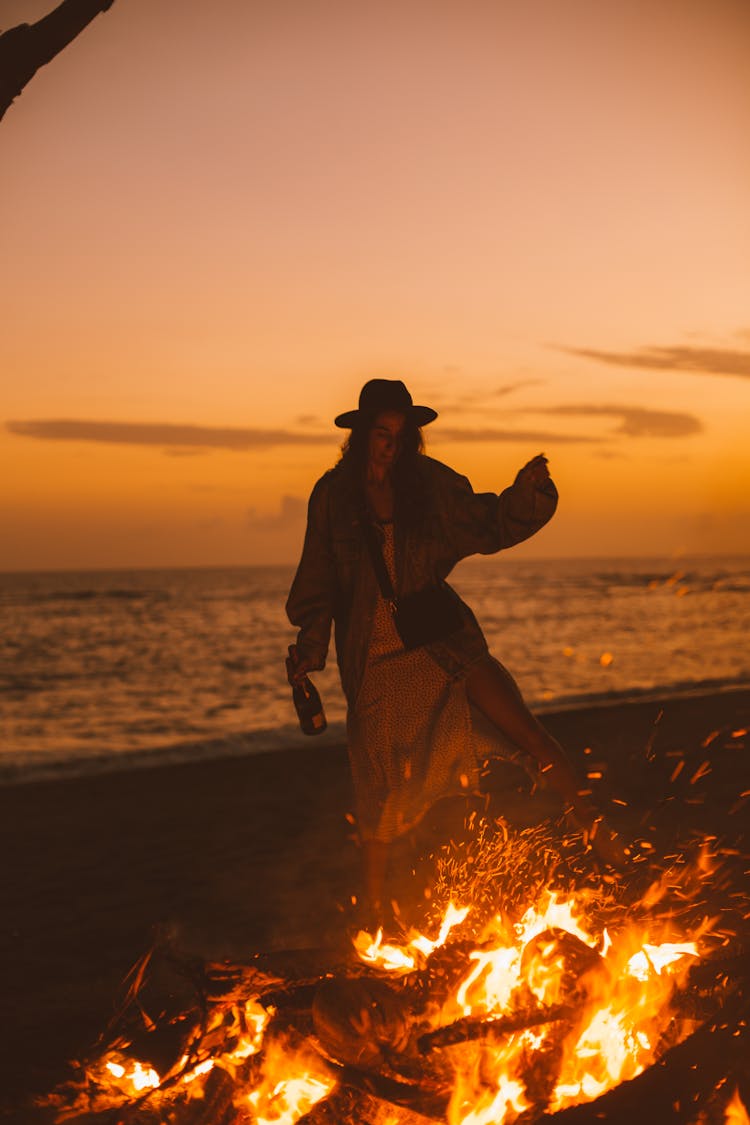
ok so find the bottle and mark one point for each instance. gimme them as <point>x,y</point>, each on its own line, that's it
<point>306,698</point>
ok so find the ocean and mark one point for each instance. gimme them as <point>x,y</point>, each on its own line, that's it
<point>103,669</point>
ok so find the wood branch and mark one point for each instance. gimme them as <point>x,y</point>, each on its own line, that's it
<point>473,1027</point>
<point>27,47</point>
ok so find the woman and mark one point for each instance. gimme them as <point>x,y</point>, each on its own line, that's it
<point>408,720</point>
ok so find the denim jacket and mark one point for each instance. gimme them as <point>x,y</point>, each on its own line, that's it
<point>441,522</point>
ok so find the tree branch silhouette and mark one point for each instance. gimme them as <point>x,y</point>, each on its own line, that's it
<point>27,47</point>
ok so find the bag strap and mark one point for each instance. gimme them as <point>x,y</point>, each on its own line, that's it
<point>378,562</point>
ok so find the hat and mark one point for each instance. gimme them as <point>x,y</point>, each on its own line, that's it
<point>385,394</point>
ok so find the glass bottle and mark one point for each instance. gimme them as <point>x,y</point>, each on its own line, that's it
<point>306,698</point>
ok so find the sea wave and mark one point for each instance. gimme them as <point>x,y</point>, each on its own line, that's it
<point>149,666</point>
<point>47,766</point>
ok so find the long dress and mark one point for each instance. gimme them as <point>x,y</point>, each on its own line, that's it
<point>411,736</point>
<point>410,733</point>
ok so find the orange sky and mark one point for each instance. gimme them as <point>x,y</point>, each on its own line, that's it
<point>219,219</point>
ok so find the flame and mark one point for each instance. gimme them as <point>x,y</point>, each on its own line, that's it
<point>497,972</point>
<point>202,1068</point>
<point>491,1092</point>
<point>403,959</point>
<point>608,1051</point>
<point>373,951</point>
<point>291,1085</point>
<point>655,958</point>
<point>620,1007</point>
<point>736,1113</point>
<point>135,1080</point>
<point>256,1019</point>
<point>454,916</point>
<point>119,1077</point>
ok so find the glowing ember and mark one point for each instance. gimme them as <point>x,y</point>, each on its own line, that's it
<point>135,1078</point>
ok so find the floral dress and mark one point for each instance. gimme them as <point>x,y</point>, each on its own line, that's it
<point>409,734</point>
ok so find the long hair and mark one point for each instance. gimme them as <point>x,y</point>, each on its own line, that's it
<point>406,479</point>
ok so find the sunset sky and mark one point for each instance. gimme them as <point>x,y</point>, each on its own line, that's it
<point>220,218</point>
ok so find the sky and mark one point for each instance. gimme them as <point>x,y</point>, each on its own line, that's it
<point>219,219</point>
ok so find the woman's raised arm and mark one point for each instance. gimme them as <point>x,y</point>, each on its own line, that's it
<point>529,503</point>
<point>483,522</point>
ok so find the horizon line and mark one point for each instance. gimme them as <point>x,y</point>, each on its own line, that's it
<point>150,567</point>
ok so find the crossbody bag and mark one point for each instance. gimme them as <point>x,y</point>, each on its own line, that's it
<point>425,616</point>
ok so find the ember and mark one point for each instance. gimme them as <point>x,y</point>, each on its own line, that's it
<point>547,1001</point>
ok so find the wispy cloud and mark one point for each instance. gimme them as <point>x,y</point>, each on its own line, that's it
<point>532,437</point>
<point>509,388</point>
<point>696,360</point>
<point>177,440</point>
<point>186,440</point>
<point>477,401</point>
<point>634,421</point>
<point>165,435</point>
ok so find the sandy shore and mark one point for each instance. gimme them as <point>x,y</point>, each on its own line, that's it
<point>257,854</point>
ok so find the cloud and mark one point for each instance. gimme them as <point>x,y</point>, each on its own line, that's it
<point>509,388</point>
<point>291,515</point>
<point>176,439</point>
<point>478,401</point>
<point>634,421</point>
<point>185,440</point>
<point>182,441</point>
<point>699,361</point>
<point>530,437</point>
<point>611,455</point>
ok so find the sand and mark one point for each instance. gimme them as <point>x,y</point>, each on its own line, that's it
<point>231,857</point>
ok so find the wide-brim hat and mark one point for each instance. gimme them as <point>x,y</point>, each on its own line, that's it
<point>379,395</point>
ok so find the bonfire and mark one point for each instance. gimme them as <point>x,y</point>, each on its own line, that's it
<point>535,993</point>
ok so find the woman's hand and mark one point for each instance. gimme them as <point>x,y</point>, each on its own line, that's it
<point>535,473</point>
<point>297,666</point>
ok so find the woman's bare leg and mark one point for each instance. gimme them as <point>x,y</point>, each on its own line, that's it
<point>492,689</point>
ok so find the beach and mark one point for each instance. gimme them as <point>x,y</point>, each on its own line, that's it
<point>227,858</point>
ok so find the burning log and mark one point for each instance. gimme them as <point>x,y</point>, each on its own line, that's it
<point>494,1027</point>
<point>216,1107</point>
<point>362,1022</point>
<point>425,1099</point>
<point>440,977</point>
<point>579,968</point>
